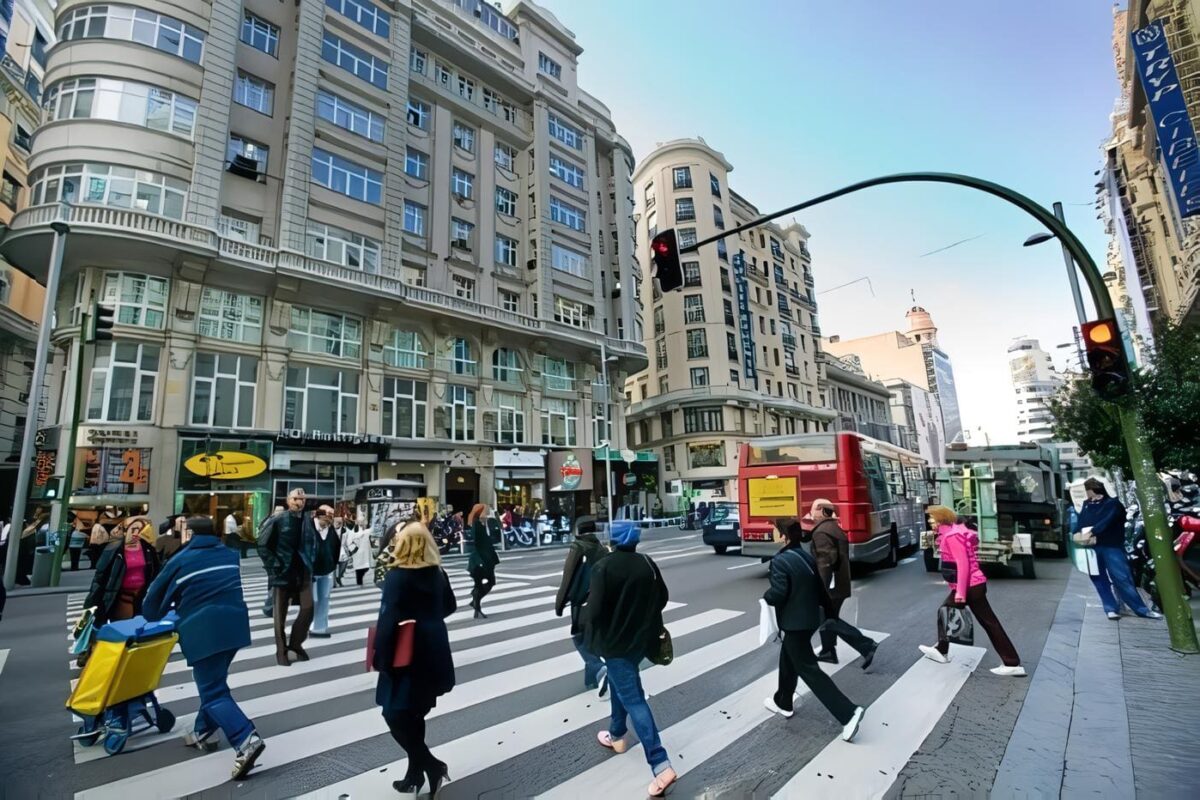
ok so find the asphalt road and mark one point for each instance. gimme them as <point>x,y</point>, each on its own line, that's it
<point>518,725</point>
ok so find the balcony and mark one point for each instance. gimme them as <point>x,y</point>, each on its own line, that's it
<point>789,340</point>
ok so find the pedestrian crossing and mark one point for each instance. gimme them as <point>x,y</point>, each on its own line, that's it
<point>519,690</point>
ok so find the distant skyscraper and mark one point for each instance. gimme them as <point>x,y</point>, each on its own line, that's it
<point>1034,382</point>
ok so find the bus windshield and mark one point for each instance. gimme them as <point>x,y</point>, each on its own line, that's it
<point>802,450</point>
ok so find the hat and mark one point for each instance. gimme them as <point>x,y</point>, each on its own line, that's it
<point>625,533</point>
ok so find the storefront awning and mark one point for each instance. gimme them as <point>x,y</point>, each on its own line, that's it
<point>521,459</point>
<point>615,455</point>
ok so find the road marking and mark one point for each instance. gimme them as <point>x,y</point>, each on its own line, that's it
<point>484,749</point>
<point>751,564</point>
<point>3,659</point>
<point>908,560</point>
<point>513,576</point>
<point>206,772</point>
<point>894,727</point>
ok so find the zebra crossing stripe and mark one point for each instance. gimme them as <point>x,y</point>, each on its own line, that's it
<point>205,772</point>
<point>694,740</point>
<point>894,727</point>
<point>491,746</point>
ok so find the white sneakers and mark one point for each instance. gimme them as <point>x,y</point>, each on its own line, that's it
<point>1153,615</point>
<point>774,709</point>
<point>1113,615</point>
<point>933,655</point>
<point>1009,672</point>
<point>851,728</point>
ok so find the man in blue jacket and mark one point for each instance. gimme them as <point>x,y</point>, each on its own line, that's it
<point>1106,517</point>
<point>203,583</point>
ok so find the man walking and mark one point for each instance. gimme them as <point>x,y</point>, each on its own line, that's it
<point>286,546</point>
<point>582,556</point>
<point>328,549</point>
<point>204,586</point>
<point>831,549</point>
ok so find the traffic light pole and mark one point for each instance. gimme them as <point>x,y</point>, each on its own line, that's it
<point>69,468</point>
<point>1180,626</point>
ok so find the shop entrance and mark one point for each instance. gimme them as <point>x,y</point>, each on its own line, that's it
<point>462,489</point>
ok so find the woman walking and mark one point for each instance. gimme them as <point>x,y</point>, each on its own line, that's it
<point>959,548</point>
<point>416,588</point>
<point>125,569</point>
<point>481,565</point>
<point>798,596</point>
<point>1106,517</point>
<point>357,547</point>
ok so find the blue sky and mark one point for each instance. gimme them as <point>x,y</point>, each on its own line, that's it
<point>804,96</point>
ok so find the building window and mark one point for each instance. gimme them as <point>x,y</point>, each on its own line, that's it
<point>506,251</point>
<point>416,164</point>
<point>133,25</point>
<point>464,137</point>
<point>510,419</point>
<point>108,185</point>
<point>685,209</point>
<point>506,366</point>
<point>441,73</point>
<point>506,202</point>
<point>691,273</point>
<point>466,88</point>
<point>660,353</point>
<point>505,156</point>
<point>549,66</point>
<point>464,287</point>
<point>558,374</point>
<point>122,382</point>
<point>248,149</point>
<point>254,92</point>
<point>460,416</point>
<point>564,132</point>
<point>463,360</point>
<point>714,185</point>
<point>223,390</point>
<point>313,331</point>
<point>10,191</point>
<point>416,60</point>
<point>463,184</point>
<point>566,260</point>
<point>731,348</point>
<point>418,114</point>
<point>572,312</point>
<point>354,60</point>
<point>404,350</point>
<point>345,177</point>
<point>718,217</point>
<point>414,218</point>
<point>558,422</point>
<point>728,308</point>
<point>687,237</point>
<point>369,16</point>
<point>122,101</point>
<point>405,403</point>
<point>669,458</point>
<point>693,309</point>
<point>510,301</point>
<point>136,299</point>
<point>703,420</point>
<point>659,324</point>
<point>321,399</point>
<point>566,214</point>
<point>682,177</point>
<point>666,421</point>
<point>699,376</point>
<point>260,34</point>
<point>351,116</point>
<point>706,454</point>
<point>697,343</point>
<point>565,171</point>
<point>460,234</point>
<point>722,253</point>
<point>230,316</point>
<point>344,247</point>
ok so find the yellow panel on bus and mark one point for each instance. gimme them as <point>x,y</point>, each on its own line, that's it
<point>772,497</point>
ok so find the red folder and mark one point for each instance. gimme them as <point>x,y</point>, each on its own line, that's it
<point>402,657</point>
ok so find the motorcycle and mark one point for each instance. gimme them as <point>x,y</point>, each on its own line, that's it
<point>522,535</point>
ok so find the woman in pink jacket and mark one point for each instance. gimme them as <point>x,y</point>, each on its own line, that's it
<point>959,548</point>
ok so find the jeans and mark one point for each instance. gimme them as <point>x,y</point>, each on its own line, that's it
<point>591,662</point>
<point>629,701</point>
<point>1113,566</point>
<point>835,626</point>
<point>217,706</point>
<point>322,586</point>
<point>798,661</point>
<point>978,603</point>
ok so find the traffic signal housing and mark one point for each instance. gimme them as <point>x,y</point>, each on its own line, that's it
<point>1106,358</point>
<point>102,323</point>
<point>668,273</point>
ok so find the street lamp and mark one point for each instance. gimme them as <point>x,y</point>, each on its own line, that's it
<point>61,229</point>
<point>605,358</point>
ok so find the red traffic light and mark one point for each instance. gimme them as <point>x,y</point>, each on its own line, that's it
<point>668,272</point>
<point>1106,358</point>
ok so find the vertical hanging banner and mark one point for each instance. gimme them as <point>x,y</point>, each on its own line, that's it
<point>1168,107</point>
<point>745,320</point>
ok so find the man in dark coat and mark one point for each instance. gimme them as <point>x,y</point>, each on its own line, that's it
<point>831,549</point>
<point>287,545</point>
<point>203,583</point>
<point>582,556</point>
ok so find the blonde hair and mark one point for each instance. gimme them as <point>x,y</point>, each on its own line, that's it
<point>414,548</point>
<point>942,515</point>
<point>147,534</point>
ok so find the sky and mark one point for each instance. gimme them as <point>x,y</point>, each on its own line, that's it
<point>803,97</point>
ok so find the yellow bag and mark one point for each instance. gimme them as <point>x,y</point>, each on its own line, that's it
<point>117,672</point>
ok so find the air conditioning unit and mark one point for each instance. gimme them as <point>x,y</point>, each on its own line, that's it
<point>531,263</point>
<point>245,167</point>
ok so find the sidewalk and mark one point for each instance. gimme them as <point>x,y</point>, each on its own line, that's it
<point>1109,711</point>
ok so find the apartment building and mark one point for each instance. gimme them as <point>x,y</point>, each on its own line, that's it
<point>1035,382</point>
<point>25,33</point>
<point>862,404</point>
<point>345,240</point>
<point>732,355</point>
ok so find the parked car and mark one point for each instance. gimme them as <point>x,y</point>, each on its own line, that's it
<point>722,529</point>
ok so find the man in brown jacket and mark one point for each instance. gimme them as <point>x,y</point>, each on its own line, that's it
<point>831,549</point>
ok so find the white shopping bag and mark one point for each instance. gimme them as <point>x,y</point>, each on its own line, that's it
<point>768,626</point>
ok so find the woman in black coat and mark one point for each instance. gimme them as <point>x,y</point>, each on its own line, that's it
<point>416,588</point>
<point>115,594</point>
<point>481,564</point>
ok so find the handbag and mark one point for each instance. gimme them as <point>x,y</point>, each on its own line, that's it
<point>957,624</point>
<point>768,624</point>
<point>403,655</point>
<point>949,570</point>
<point>660,651</point>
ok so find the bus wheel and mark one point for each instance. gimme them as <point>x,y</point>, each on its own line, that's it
<point>893,555</point>
<point>720,549</point>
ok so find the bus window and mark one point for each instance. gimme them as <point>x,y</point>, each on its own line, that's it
<point>805,450</point>
<point>876,483</point>
<point>891,474</point>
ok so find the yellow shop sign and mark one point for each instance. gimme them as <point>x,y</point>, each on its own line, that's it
<point>225,465</point>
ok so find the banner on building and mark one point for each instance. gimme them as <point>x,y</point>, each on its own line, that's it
<point>114,470</point>
<point>745,320</point>
<point>570,470</point>
<point>1168,107</point>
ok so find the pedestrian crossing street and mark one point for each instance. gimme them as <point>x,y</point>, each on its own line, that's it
<point>324,708</point>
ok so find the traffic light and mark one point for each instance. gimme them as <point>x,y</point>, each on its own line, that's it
<point>665,251</point>
<point>1106,358</point>
<point>102,323</point>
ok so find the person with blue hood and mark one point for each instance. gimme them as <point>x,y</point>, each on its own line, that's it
<point>622,620</point>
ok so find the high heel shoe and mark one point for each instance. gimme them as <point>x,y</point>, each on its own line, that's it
<point>410,785</point>
<point>437,776</point>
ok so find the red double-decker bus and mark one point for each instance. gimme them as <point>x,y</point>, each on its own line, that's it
<point>881,491</point>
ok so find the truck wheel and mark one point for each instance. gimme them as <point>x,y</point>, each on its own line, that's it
<point>931,563</point>
<point>720,549</point>
<point>1027,568</point>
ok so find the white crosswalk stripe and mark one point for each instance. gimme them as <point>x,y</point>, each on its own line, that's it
<point>312,709</point>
